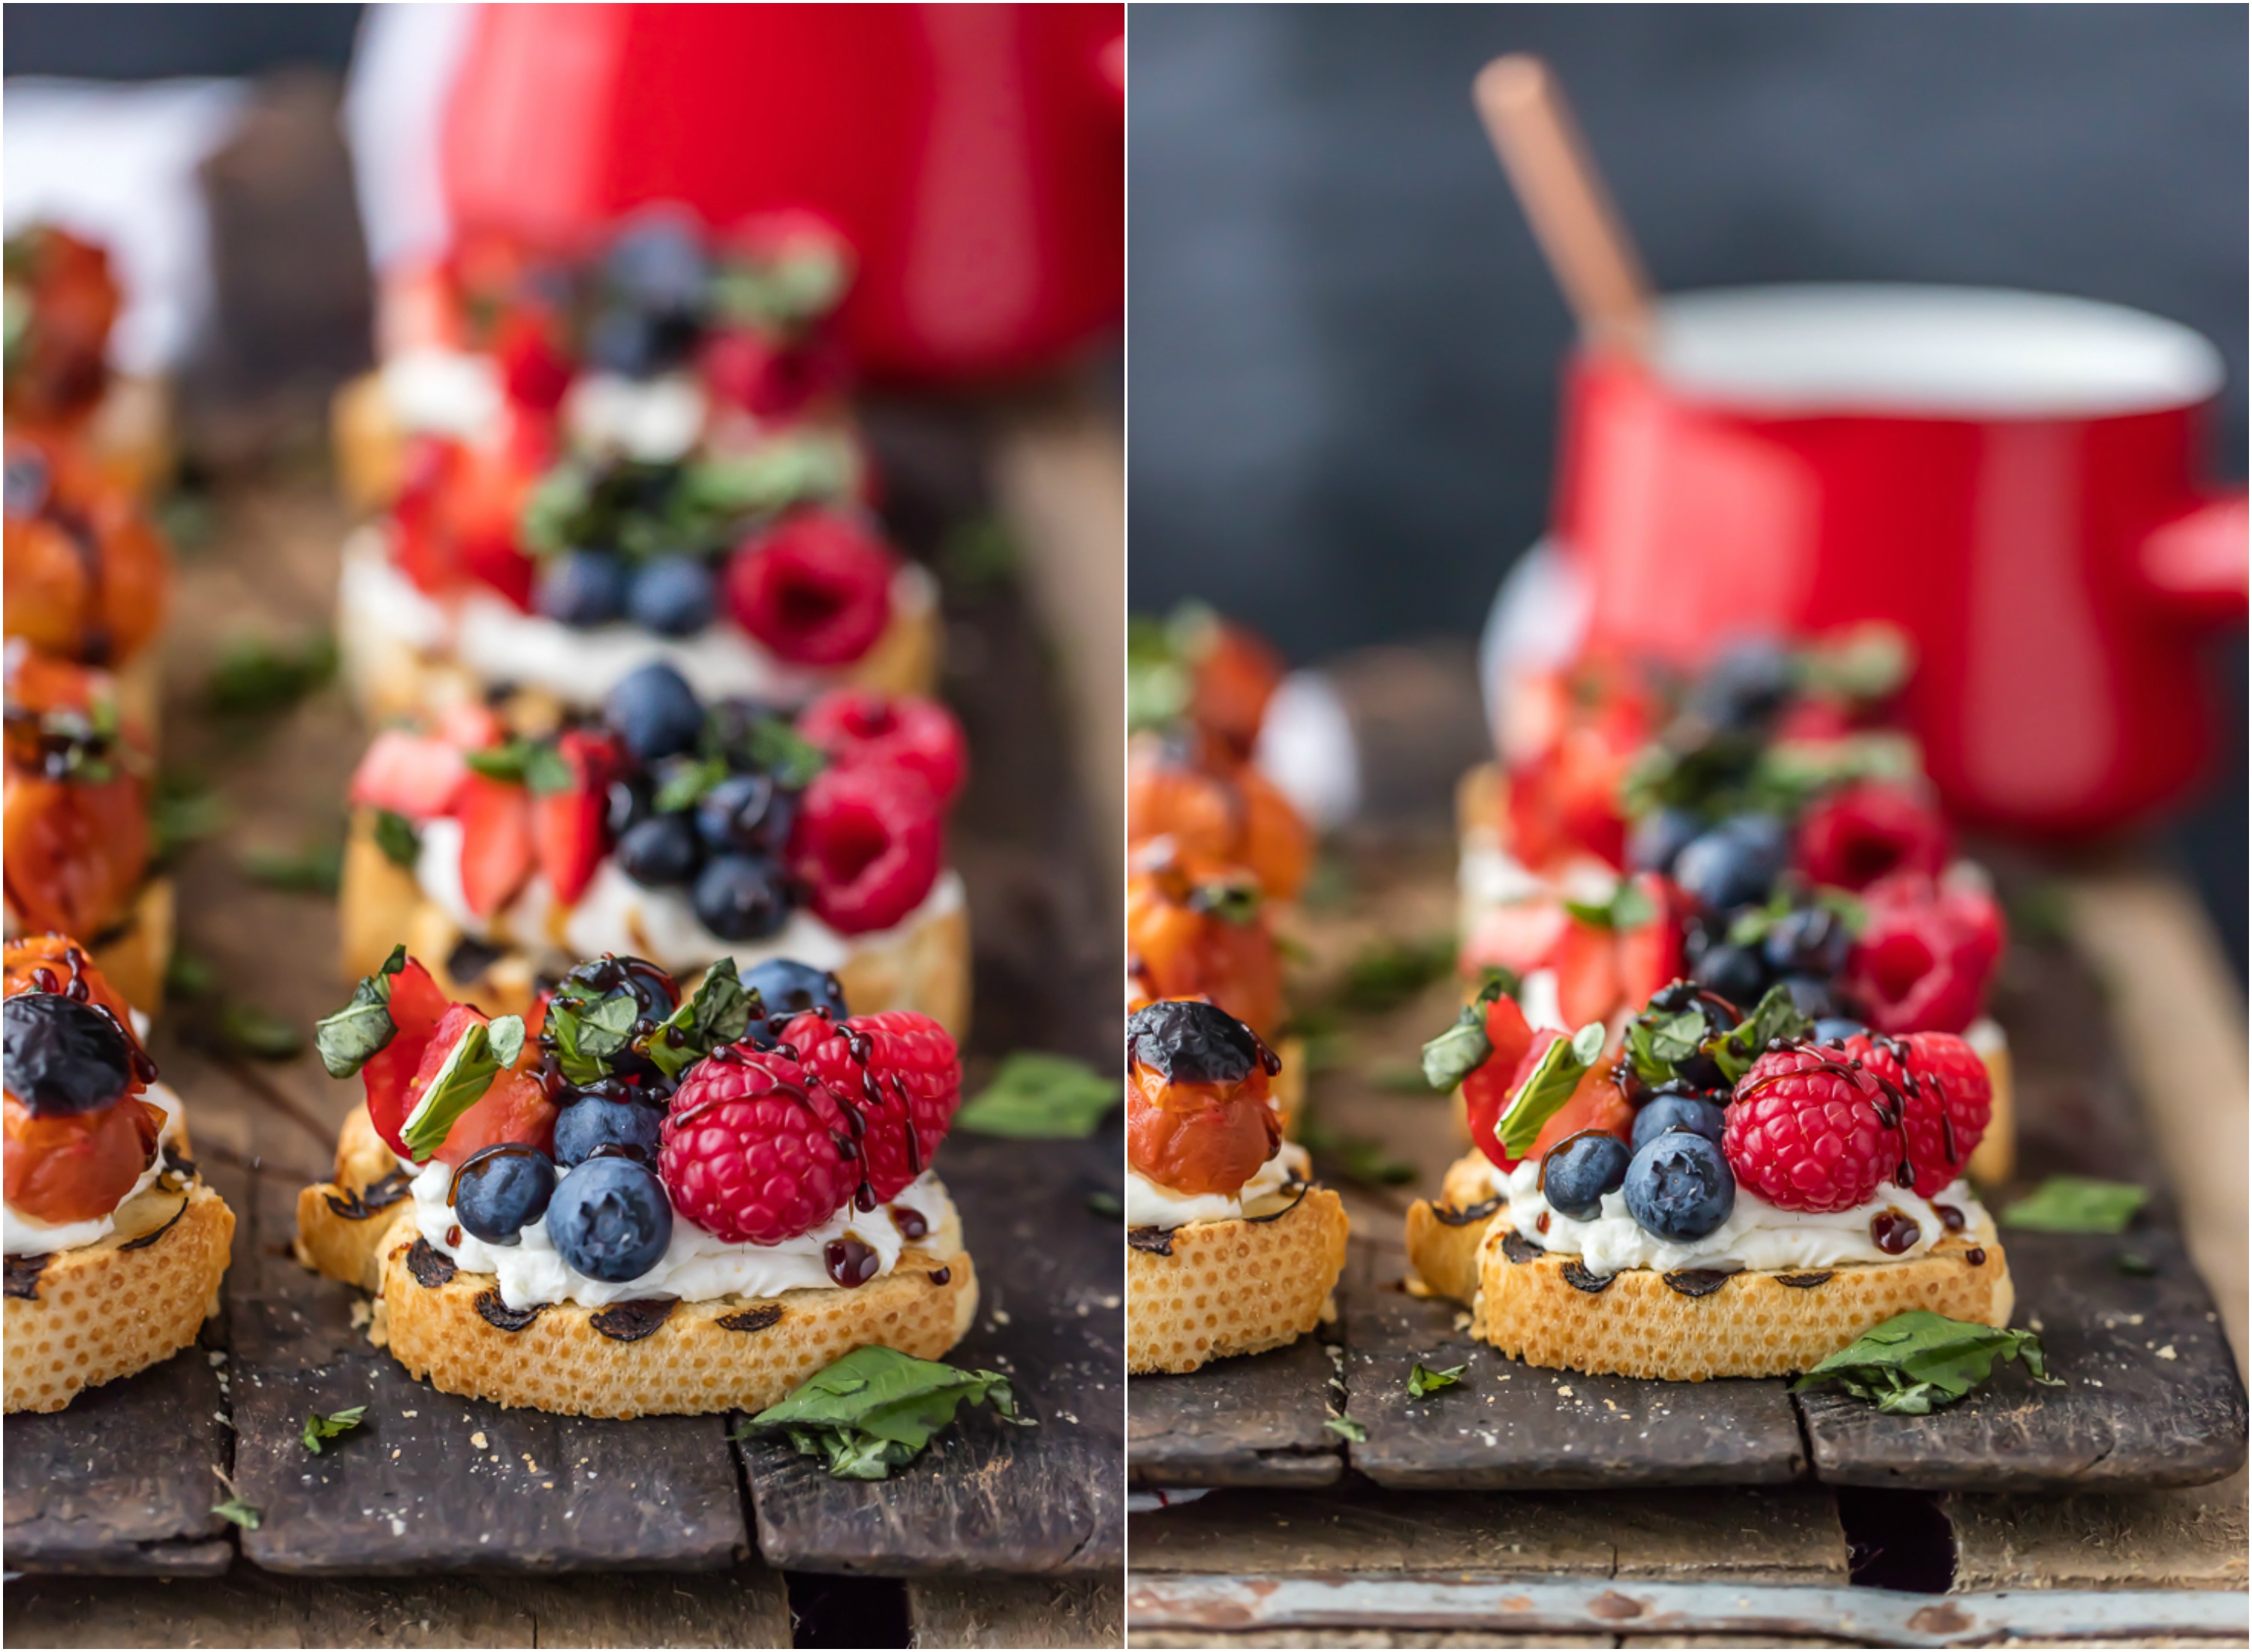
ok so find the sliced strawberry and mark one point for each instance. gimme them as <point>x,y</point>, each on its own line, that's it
<point>1519,936</point>
<point>533,368</point>
<point>1597,1104</point>
<point>470,726</point>
<point>1486,1092</point>
<point>497,841</point>
<point>516,1108</point>
<point>1649,956</point>
<point>416,775</point>
<point>1586,963</point>
<point>417,1009</point>
<point>568,825</point>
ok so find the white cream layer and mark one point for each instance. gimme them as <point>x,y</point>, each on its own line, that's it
<point>613,913</point>
<point>20,1235</point>
<point>496,642</point>
<point>433,391</point>
<point>1153,1205</point>
<point>1757,1235</point>
<point>696,1265</point>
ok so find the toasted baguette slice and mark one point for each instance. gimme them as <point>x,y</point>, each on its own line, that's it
<point>658,1358</point>
<point>341,1223</point>
<point>1238,1287</point>
<point>923,965</point>
<point>108,1309</point>
<point>1684,1327</point>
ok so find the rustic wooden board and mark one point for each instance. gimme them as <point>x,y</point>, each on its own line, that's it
<point>2150,1396</point>
<point>989,1495</point>
<point>1509,1426</point>
<point>430,1482</point>
<point>1253,1421</point>
<point>1017,1612</point>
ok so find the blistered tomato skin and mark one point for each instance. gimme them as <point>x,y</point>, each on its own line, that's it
<point>77,1167</point>
<point>1200,1138</point>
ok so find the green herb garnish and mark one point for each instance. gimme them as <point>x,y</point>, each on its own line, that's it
<point>396,837</point>
<point>590,1029</point>
<point>1036,1096</point>
<point>717,1013</point>
<point>876,1409</point>
<point>240,1512</point>
<point>1775,1017</point>
<point>256,677</point>
<point>318,1427</point>
<point>1423,1380</point>
<point>1390,975</point>
<point>1346,1428</point>
<point>1626,908</point>
<point>2077,1205</point>
<point>1464,1048</point>
<point>776,749</point>
<point>1542,1096</point>
<point>316,870</point>
<point>345,1039</point>
<point>460,1082</point>
<point>1916,1362</point>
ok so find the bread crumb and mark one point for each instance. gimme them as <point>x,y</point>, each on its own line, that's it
<point>478,1439</point>
<point>2167,1352</point>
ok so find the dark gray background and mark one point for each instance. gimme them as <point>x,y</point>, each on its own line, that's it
<point>1343,344</point>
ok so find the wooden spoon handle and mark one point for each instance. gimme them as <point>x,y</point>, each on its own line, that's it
<point>1563,195</point>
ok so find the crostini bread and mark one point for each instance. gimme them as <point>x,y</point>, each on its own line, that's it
<point>1690,1326</point>
<point>89,1316</point>
<point>923,965</point>
<point>1210,1289</point>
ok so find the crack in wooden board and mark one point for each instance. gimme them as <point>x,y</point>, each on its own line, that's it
<point>431,1482</point>
<point>989,1495</point>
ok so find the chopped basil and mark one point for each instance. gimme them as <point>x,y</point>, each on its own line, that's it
<point>345,1039</point>
<point>1423,1380</point>
<point>590,1030</point>
<point>1346,1428</point>
<point>775,748</point>
<point>717,1013</point>
<point>1777,1016</point>
<point>460,1083</point>
<point>1916,1362</point>
<point>2077,1205</point>
<point>396,837</point>
<point>875,1410</point>
<point>1627,908</point>
<point>1543,1096</point>
<point>318,1427</point>
<point>1036,1096</point>
<point>1464,1048</point>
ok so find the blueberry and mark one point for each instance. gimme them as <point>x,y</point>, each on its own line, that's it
<point>1813,999</point>
<point>746,812</point>
<point>1735,864</point>
<point>1192,1042</point>
<point>654,711</point>
<point>1734,972</point>
<point>1579,1170</point>
<point>1837,1028</point>
<point>1658,838</point>
<point>740,898</point>
<point>610,1221</point>
<point>673,596</point>
<point>581,588</point>
<point>1677,1112</point>
<point>1746,686</point>
<point>657,263</point>
<point>62,1057</point>
<point>500,1191</point>
<point>625,342</point>
<point>661,851</point>
<point>628,806</point>
<point>26,484</point>
<point>788,988</point>
<point>598,1120</point>
<point>1679,1186</point>
<point>1812,940</point>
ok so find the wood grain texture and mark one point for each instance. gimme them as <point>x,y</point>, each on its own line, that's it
<point>1017,1612</point>
<point>1253,1421</point>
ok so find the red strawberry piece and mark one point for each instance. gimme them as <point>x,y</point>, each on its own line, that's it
<point>858,728</point>
<point>417,1008</point>
<point>1650,955</point>
<point>412,774</point>
<point>514,1108</point>
<point>1812,720</point>
<point>567,826</point>
<point>896,1069</point>
<point>390,1118</point>
<point>419,545</point>
<point>816,589</point>
<point>868,845</point>
<point>1805,1136</point>
<point>1947,1096</point>
<point>470,726</point>
<point>497,851</point>
<point>1586,963</point>
<point>1521,935</point>
<point>756,1150</point>
<point>1487,1090</point>
<point>535,371</point>
<point>1869,831</point>
<point>1597,1104</point>
<point>1922,961</point>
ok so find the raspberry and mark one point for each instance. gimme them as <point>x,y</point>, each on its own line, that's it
<point>1806,1136</point>
<point>1947,1094</point>
<point>858,729</point>
<point>1870,831</point>
<point>754,1149</point>
<point>911,1073</point>
<point>1922,961</point>
<point>867,845</point>
<point>817,588</point>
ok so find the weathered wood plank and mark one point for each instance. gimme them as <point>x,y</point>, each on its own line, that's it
<point>1508,1424</point>
<point>1253,1421</point>
<point>2183,1538</point>
<point>1015,1612</point>
<point>434,1483</point>
<point>988,1495</point>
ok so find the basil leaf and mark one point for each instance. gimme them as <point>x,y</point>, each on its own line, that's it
<point>318,1427</point>
<point>1423,1380</point>
<point>589,1033</point>
<point>688,784</point>
<point>507,1036</point>
<point>717,1013</point>
<point>546,771</point>
<point>346,1038</point>
<point>1035,1096</point>
<point>2077,1205</point>
<point>507,762</point>
<point>1464,1048</point>
<point>254,677</point>
<point>1867,663</point>
<point>775,748</point>
<point>876,1409</point>
<point>240,1512</point>
<point>1627,907</point>
<point>1543,1096</point>
<point>1232,900</point>
<point>1775,1017</point>
<point>1917,1362</point>
<point>1345,1429</point>
<point>396,837</point>
<point>460,1083</point>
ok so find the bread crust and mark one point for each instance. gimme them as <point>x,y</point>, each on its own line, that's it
<point>1752,1323</point>
<point>341,1225</point>
<point>105,1310</point>
<point>1236,1286</point>
<point>923,965</point>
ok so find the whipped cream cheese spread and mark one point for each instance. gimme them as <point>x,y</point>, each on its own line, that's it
<point>1757,1235</point>
<point>21,1236</point>
<point>656,420</point>
<point>1153,1205</point>
<point>497,643</point>
<point>613,913</point>
<point>443,392</point>
<point>696,1265</point>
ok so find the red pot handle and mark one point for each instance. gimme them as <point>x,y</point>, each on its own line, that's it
<point>2194,561</point>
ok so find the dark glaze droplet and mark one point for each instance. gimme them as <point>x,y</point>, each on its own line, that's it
<point>431,1267</point>
<point>1448,1216</point>
<point>499,1314</point>
<point>909,1222</point>
<point>751,1319</point>
<point>1156,1242</point>
<point>1975,1256</point>
<point>851,1263</point>
<point>454,1235</point>
<point>940,1275</point>
<point>1950,1218</point>
<point>1542,1224</point>
<point>1893,1232</point>
<point>1805,1281</point>
<point>1519,1249</point>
